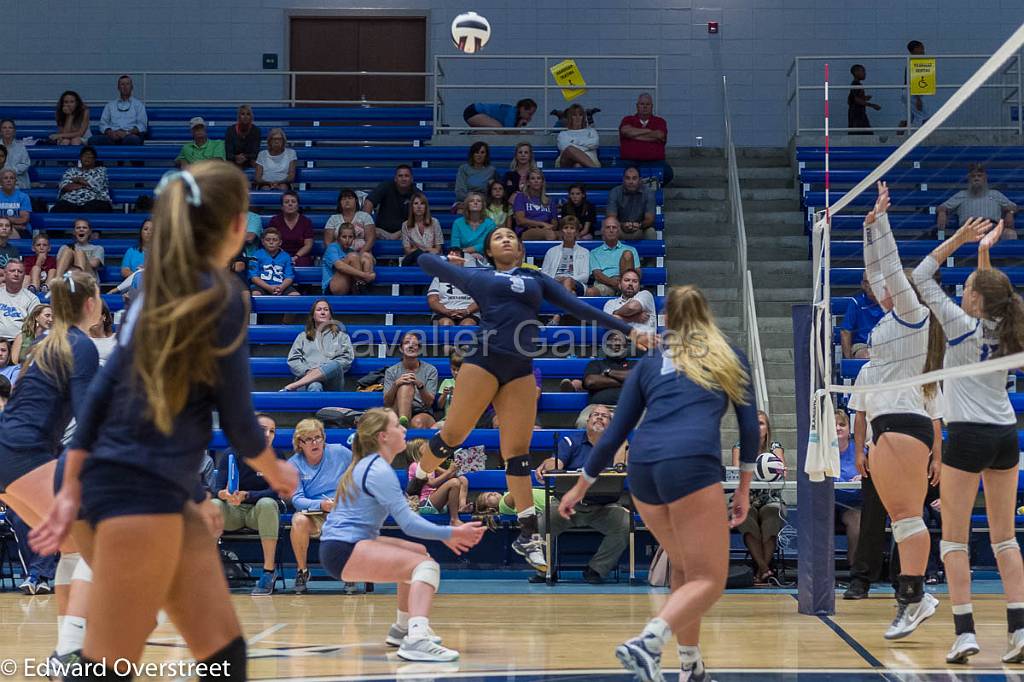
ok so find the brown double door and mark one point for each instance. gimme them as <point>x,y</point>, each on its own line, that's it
<point>359,44</point>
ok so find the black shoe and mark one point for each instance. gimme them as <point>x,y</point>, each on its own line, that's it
<point>592,577</point>
<point>857,590</point>
<point>301,581</point>
<point>537,579</point>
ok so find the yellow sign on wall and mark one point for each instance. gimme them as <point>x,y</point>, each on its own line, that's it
<point>922,76</point>
<point>568,76</point>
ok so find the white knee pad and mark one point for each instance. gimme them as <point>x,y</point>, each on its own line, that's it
<point>82,572</point>
<point>66,568</point>
<point>905,528</point>
<point>998,547</point>
<point>945,547</point>
<point>429,572</point>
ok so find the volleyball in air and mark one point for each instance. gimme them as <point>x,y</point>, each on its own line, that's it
<point>470,32</point>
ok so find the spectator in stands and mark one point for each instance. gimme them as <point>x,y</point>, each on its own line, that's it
<point>40,267</point>
<point>242,140</point>
<point>535,214</point>
<point>16,302</point>
<point>848,502</point>
<point>14,203</point>
<point>322,353</point>
<point>135,256</point>
<point>761,528</point>
<point>519,170</point>
<point>320,467</point>
<point>410,385</point>
<point>8,370</point>
<point>271,272</point>
<point>421,232</point>
<point>389,202</point>
<point>609,259</point>
<point>253,505</point>
<point>577,206</point>
<point>633,204</point>
<point>578,143</point>
<point>861,316</point>
<point>275,165</point>
<point>475,175</point>
<point>5,386</point>
<point>448,303</point>
<point>253,232</point>
<point>84,188</point>
<point>484,115</point>
<point>8,251</point>
<point>568,263</point>
<point>611,520</point>
<point>36,324</point>
<point>201,148</point>
<point>979,201</point>
<point>445,490</point>
<point>124,120</point>
<point>471,230</point>
<point>102,335</point>
<point>17,156</point>
<point>919,113</point>
<point>296,230</point>
<point>446,391</point>
<point>361,222</point>
<point>634,305</point>
<point>497,207</point>
<point>603,377</point>
<point>72,117</point>
<point>41,568</point>
<point>643,137</point>
<point>858,102</point>
<point>344,269</point>
<point>81,253</point>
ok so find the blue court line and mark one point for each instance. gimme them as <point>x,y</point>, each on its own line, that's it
<point>850,640</point>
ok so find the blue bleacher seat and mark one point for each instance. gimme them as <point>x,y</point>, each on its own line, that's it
<point>550,367</point>
<point>962,155</point>
<point>920,248</point>
<point>262,115</point>
<point>542,439</point>
<point>903,198</point>
<point>313,401</point>
<point>902,175</point>
<point>348,133</point>
<point>898,221</point>
<point>950,276</point>
<point>366,334</point>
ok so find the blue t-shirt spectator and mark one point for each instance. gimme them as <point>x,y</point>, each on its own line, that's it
<point>134,258</point>
<point>847,472</point>
<point>272,269</point>
<point>319,482</point>
<point>505,113</point>
<point>573,452</point>
<point>606,259</point>
<point>862,314</point>
<point>11,204</point>
<point>332,255</point>
<point>464,237</point>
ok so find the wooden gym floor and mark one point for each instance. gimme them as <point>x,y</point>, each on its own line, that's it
<point>510,631</point>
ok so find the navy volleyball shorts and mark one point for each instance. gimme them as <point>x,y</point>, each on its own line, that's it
<point>110,489</point>
<point>672,479</point>
<point>16,463</point>
<point>334,554</point>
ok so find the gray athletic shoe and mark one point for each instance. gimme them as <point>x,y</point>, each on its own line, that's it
<point>694,672</point>
<point>396,633</point>
<point>636,657</point>
<point>909,616</point>
<point>533,550</point>
<point>1015,652</point>
<point>424,650</point>
<point>965,646</point>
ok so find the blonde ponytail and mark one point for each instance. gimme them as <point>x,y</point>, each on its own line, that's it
<point>68,296</point>
<point>371,424</point>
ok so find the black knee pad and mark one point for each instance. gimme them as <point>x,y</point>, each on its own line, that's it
<point>441,449</point>
<point>518,466</point>
<point>227,664</point>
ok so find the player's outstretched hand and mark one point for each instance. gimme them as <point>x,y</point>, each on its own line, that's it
<point>47,537</point>
<point>465,537</point>
<point>973,230</point>
<point>456,259</point>
<point>881,204</point>
<point>993,237</point>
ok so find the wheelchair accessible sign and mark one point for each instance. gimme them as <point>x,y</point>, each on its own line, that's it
<point>922,76</point>
<point>568,76</point>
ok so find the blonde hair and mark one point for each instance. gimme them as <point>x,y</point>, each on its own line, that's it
<point>52,355</point>
<point>698,348</point>
<point>305,429</point>
<point>543,186</point>
<point>467,214</point>
<point>175,335</point>
<point>568,117</point>
<point>371,424</point>
<point>30,327</point>
<point>513,165</point>
<point>843,415</point>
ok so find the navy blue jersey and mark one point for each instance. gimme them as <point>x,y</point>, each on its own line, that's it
<point>41,407</point>
<point>682,418</point>
<point>509,303</point>
<point>115,426</point>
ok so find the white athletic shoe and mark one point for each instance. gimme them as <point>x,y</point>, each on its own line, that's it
<point>1015,654</point>
<point>965,646</point>
<point>909,616</point>
<point>532,551</point>
<point>426,651</point>
<point>396,633</point>
<point>636,657</point>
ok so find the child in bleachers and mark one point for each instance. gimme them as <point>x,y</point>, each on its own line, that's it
<point>578,207</point>
<point>8,251</point>
<point>271,272</point>
<point>40,266</point>
<point>447,387</point>
<point>444,490</point>
<point>498,209</point>
<point>344,268</point>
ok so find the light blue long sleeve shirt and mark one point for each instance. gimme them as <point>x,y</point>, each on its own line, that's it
<point>374,495</point>
<point>320,482</point>
<point>134,116</point>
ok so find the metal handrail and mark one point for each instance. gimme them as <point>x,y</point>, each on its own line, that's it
<point>745,283</point>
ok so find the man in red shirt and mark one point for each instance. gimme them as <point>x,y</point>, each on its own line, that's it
<point>642,138</point>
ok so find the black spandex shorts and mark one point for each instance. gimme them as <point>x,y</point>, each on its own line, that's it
<point>334,554</point>
<point>110,489</point>
<point>913,425</point>
<point>672,479</point>
<point>16,463</point>
<point>976,447</point>
<point>505,368</point>
<point>469,112</point>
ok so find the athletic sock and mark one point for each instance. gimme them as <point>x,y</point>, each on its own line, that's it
<point>528,521</point>
<point>71,635</point>
<point>1015,616</point>
<point>419,627</point>
<point>402,620</point>
<point>963,618</point>
<point>655,634</point>
<point>227,664</point>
